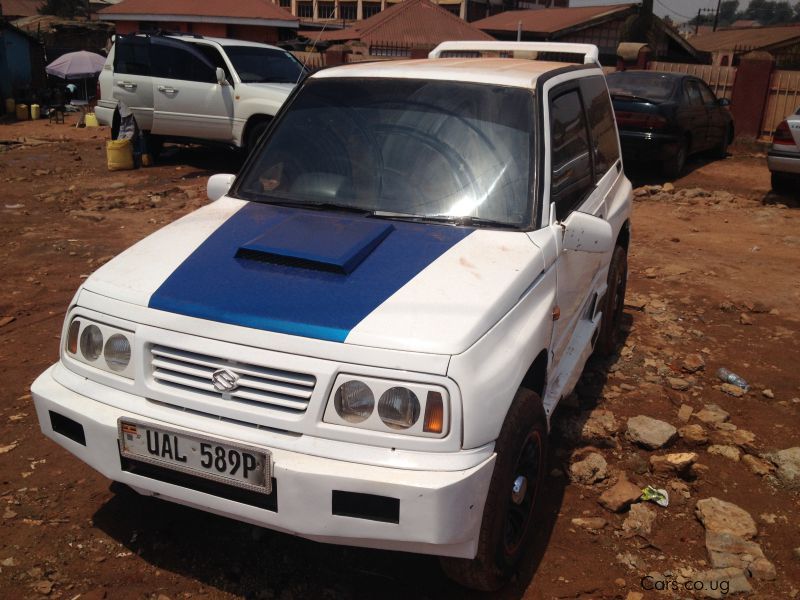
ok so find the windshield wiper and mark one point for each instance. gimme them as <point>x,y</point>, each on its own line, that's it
<point>320,206</point>
<point>450,219</point>
<point>632,97</point>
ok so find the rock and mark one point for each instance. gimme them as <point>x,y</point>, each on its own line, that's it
<point>732,390</point>
<point>9,447</point>
<point>639,521</point>
<point>693,434</point>
<point>767,393</point>
<point>44,587</point>
<point>678,383</point>
<point>590,523</point>
<point>757,466</point>
<point>744,439</point>
<point>9,562</point>
<point>762,569</point>
<point>712,582</point>
<point>796,553</point>
<point>650,433</point>
<point>669,464</point>
<point>590,470</point>
<point>87,214</point>
<point>668,187</point>
<point>678,491</point>
<point>693,363</point>
<point>719,516</point>
<point>632,561</point>
<point>620,496</point>
<point>685,413</point>
<point>729,452</point>
<point>728,550</point>
<point>745,319</point>
<point>788,466</point>
<point>711,413</point>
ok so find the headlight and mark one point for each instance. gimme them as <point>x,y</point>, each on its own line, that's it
<point>99,345</point>
<point>417,409</point>
<point>354,401</point>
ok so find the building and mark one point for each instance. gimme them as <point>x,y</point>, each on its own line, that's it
<point>11,10</point>
<point>726,46</point>
<point>60,35</point>
<point>21,63</point>
<point>418,25</point>
<point>254,20</point>
<point>604,26</point>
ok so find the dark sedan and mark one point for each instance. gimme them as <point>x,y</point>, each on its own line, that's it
<point>666,117</point>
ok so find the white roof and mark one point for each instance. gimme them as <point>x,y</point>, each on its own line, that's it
<point>497,71</point>
<point>222,41</point>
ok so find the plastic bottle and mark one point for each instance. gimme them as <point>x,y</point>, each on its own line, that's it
<point>732,378</point>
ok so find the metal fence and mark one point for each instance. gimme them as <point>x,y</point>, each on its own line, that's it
<point>719,79</point>
<point>783,99</point>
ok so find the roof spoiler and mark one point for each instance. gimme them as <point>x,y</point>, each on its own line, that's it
<point>588,51</point>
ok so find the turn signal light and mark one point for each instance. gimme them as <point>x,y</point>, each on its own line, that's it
<point>72,336</point>
<point>783,135</point>
<point>434,413</point>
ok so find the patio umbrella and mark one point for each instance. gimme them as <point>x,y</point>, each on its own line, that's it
<point>76,65</point>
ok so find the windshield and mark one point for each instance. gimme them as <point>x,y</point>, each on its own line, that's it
<point>650,86</point>
<point>264,65</point>
<point>412,147</point>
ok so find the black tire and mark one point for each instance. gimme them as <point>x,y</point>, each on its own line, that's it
<point>674,165</point>
<point>613,304</point>
<point>254,133</point>
<point>782,183</point>
<point>721,151</point>
<point>155,145</point>
<point>506,528</point>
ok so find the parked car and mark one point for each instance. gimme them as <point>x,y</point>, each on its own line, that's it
<point>364,344</point>
<point>195,87</point>
<point>667,117</point>
<point>783,158</point>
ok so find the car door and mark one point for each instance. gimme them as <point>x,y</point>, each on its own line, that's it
<point>695,115</point>
<point>188,100</point>
<point>572,189</point>
<point>716,119</point>
<point>132,81</point>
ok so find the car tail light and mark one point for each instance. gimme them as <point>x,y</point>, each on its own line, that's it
<point>640,120</point>
<point>783,135</point>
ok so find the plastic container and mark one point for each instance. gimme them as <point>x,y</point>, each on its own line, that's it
<point>11,106</point>
<point>732,378</point>
<point>22,112</point>
<point>90,120</point>
<point>119,154</point>
<point>36,111</point>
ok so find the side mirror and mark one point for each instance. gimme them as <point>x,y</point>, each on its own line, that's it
<point>218,185</point>
<point>723,102</point>
<point>587,233</point>
<point>221,76</point>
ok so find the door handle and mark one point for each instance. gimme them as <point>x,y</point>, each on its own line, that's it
<point>128,85</point>
<point>166,89</point>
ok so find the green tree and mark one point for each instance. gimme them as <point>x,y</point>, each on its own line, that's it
<point>728,12</point>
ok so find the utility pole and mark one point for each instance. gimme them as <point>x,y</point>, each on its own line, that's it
<point>716,15</point>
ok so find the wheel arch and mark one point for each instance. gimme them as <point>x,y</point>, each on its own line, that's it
<point>624,236</point>
<point>253,120</point>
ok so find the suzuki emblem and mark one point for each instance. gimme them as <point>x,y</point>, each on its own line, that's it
<point>225,380</point>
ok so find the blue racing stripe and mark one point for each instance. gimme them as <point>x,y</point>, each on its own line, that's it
<point>214,284</point>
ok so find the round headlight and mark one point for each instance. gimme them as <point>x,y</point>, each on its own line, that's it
<point>117,352</point>
<point>398,408</point>
<point>91,342</point>
<point>354,401</point>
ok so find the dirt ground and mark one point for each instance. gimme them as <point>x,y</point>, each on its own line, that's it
<point>714,271</point>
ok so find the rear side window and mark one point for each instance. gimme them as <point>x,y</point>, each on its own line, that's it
<point>570,161</point>
<point>176,60</point>
<point>708,96</point>
<point>693,94</point>
<point>601,124</point>
<point>131,55</point>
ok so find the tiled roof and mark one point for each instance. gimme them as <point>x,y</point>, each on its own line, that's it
<point>256,10</point>
<point>418,23</point>
<point>21,8</point>
<point>750,38</point>
<point>549,20</point>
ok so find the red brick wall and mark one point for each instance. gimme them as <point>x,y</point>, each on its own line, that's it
<point>210,29</point>
<point>253,33</point>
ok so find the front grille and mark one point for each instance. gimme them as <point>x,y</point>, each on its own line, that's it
<point>257,385</point>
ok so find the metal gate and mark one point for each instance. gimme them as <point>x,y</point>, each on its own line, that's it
<point>783,100</point>
<point>719,79</point>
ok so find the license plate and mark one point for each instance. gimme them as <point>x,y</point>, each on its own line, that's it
<point>233,464</point>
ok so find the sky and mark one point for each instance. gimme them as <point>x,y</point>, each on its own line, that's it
<point>679,10</point>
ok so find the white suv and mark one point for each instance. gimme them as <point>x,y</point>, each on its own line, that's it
<point>362,338</point>
<point>198,88</point>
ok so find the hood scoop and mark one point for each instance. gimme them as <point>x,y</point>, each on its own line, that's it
<point>317,242</point>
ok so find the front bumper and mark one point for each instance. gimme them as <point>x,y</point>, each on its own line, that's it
<point>783,162</point>
<point>647,146</point>
<point>439,511</point>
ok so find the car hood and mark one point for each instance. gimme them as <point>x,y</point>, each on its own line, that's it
<point>281,88</point>
<point>328,275</point>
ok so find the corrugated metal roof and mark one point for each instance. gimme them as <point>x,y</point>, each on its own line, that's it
<point>549,20</point>
<point>241,9</point>
<point>410,23</point>
<point>752,38</point>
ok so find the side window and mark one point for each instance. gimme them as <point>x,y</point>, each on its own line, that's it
<point>215,58</point>
<point>176,60</point>
<point>709,99</point>
<point>131,55</point>
<point>570,161</point>
<point>601,124</point>
<point>693,92</point>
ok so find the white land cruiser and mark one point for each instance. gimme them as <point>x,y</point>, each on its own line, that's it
<point>197,88</point>
<point>361,340</point>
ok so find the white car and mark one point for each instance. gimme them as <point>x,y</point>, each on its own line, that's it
<point>362,338</point>
<point>197,88</point>
<point>783,158</point>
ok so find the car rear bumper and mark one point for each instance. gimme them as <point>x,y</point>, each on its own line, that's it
<point>783,162</point>
<point>645,145</point>
<point>431,512</point>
